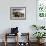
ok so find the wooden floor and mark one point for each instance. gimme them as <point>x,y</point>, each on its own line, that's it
<point>13,44</point>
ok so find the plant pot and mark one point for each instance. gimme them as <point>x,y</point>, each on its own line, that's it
<point>40,41</point>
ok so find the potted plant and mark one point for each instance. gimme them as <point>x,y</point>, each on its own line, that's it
<point>39,35</point>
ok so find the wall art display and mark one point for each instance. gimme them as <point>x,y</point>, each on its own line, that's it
<point>17,13</point>
<point>41,12</point>
<point>41,8</point>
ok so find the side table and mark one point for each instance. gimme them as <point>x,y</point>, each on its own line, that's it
<point>8,34</point>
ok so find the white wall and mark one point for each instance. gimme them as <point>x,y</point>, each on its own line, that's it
<point>24,25</point>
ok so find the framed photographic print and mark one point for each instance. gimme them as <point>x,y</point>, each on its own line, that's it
<point>41,12</point>
<point>41,8</point>
<point>17,13</point>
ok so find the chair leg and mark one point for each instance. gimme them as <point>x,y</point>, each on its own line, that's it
<point>5,43</point>
<point>5,40</point>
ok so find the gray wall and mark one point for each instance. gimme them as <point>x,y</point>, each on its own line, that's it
<point>24,25</point>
